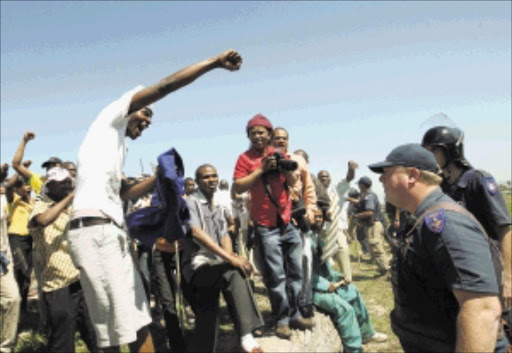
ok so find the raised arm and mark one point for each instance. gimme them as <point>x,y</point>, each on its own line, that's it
<point>18,156</point>
<point>229,60</point>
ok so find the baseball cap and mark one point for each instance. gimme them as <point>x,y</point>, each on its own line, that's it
<point>365,181</point>
<point>57,174</point>
<point>52,160</point>
<point>408,155</point>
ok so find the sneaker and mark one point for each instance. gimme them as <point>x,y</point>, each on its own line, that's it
<point>302,323</point>
<point>283,331</point>
<point>378,337</point>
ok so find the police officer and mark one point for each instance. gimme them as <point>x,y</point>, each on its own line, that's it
<point>371,220</point>
<point>445,281</point>
<point>477,191</point>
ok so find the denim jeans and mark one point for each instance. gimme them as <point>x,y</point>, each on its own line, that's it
<point>282,258</point>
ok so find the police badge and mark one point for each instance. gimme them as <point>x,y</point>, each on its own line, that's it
<point>490,185</point>
<point>436,221</point>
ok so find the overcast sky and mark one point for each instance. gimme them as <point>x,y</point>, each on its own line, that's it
<point>349,80</point>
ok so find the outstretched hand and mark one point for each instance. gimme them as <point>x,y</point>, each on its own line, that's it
<point>230,60</point>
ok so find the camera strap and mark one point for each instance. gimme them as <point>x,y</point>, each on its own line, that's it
<point>268,189</point>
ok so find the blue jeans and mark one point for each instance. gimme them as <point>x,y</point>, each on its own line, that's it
<point>282,261</point>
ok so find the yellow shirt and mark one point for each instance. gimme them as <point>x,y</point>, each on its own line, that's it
<point>51,248</point>
<point>36,182</point>
<point>19,212</point>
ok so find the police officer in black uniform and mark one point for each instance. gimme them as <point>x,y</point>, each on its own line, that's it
<point>445,279</point>
<point>478,192</point>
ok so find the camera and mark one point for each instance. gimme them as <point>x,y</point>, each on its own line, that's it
<point>284,164</point>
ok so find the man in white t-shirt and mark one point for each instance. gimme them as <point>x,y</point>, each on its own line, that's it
<point>97,238</point>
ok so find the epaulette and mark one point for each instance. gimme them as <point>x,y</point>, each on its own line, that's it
<point>435,221</point>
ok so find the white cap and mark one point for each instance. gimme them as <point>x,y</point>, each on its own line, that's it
<point>57,174</point>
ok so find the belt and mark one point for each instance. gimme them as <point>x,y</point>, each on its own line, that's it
<point>88,222</point>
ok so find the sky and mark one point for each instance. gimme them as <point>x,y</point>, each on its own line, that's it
<point>349,80</point>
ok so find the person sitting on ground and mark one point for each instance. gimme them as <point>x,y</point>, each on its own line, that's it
<point>210,266</point>
<point>341,300</point>
<point>60,279</point>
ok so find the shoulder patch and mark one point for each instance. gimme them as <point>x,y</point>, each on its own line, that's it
<point>436,221</point>
<point>490,185</point>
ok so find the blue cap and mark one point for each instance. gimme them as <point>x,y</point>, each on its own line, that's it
<point>365,181</point>
<point>408,155</point>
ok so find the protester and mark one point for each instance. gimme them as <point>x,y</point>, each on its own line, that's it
<point>98,244</point>
<point>223,198</point>
<point>190,186</point>
<point>337,226</point>
<point>337,296</point>
<point>211,266</point>
<point>9,292</point>
<point>19,206</point>
<point>71,167</point>
<point>60,281</point>
<point>34,180</point>
<point>446,281</point>
<point>257,171</point>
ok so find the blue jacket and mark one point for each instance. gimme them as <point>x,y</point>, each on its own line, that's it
<point>168,215</point>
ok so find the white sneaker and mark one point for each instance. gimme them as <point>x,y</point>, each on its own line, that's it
<point>378,337</point>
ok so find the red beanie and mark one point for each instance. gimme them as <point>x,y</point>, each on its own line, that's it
<point>259,120</point>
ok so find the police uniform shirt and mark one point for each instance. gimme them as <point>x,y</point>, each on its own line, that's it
<point>370,202</point>
<point>478,192</point>
<point>447,252</point>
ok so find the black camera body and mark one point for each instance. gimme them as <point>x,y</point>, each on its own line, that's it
<point>283,163</point>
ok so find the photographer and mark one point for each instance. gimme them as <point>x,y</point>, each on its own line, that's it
<point>281,247</point>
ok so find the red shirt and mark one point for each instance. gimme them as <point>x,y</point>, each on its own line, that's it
<point>263,211</point>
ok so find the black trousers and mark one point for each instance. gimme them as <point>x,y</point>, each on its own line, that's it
<point>21,248</point>
<point>164,266</point>
<point>209,281</point>
<point>67,311</point>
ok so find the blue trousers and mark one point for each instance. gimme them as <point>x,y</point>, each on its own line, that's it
<point>282,274</point>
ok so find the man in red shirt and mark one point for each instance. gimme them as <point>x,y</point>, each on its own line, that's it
<point>281,248</point>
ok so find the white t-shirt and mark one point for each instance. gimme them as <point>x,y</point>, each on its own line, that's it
<point>100,163</point>
<point>223,198</point>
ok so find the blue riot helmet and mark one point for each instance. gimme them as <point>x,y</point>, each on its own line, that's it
<point>451,140</point>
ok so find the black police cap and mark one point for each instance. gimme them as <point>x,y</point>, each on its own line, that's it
<point>408,155</point>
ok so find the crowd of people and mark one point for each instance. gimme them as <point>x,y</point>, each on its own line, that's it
<point>102,245</point>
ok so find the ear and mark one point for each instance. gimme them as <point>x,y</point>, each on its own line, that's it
<point>413,175</point>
